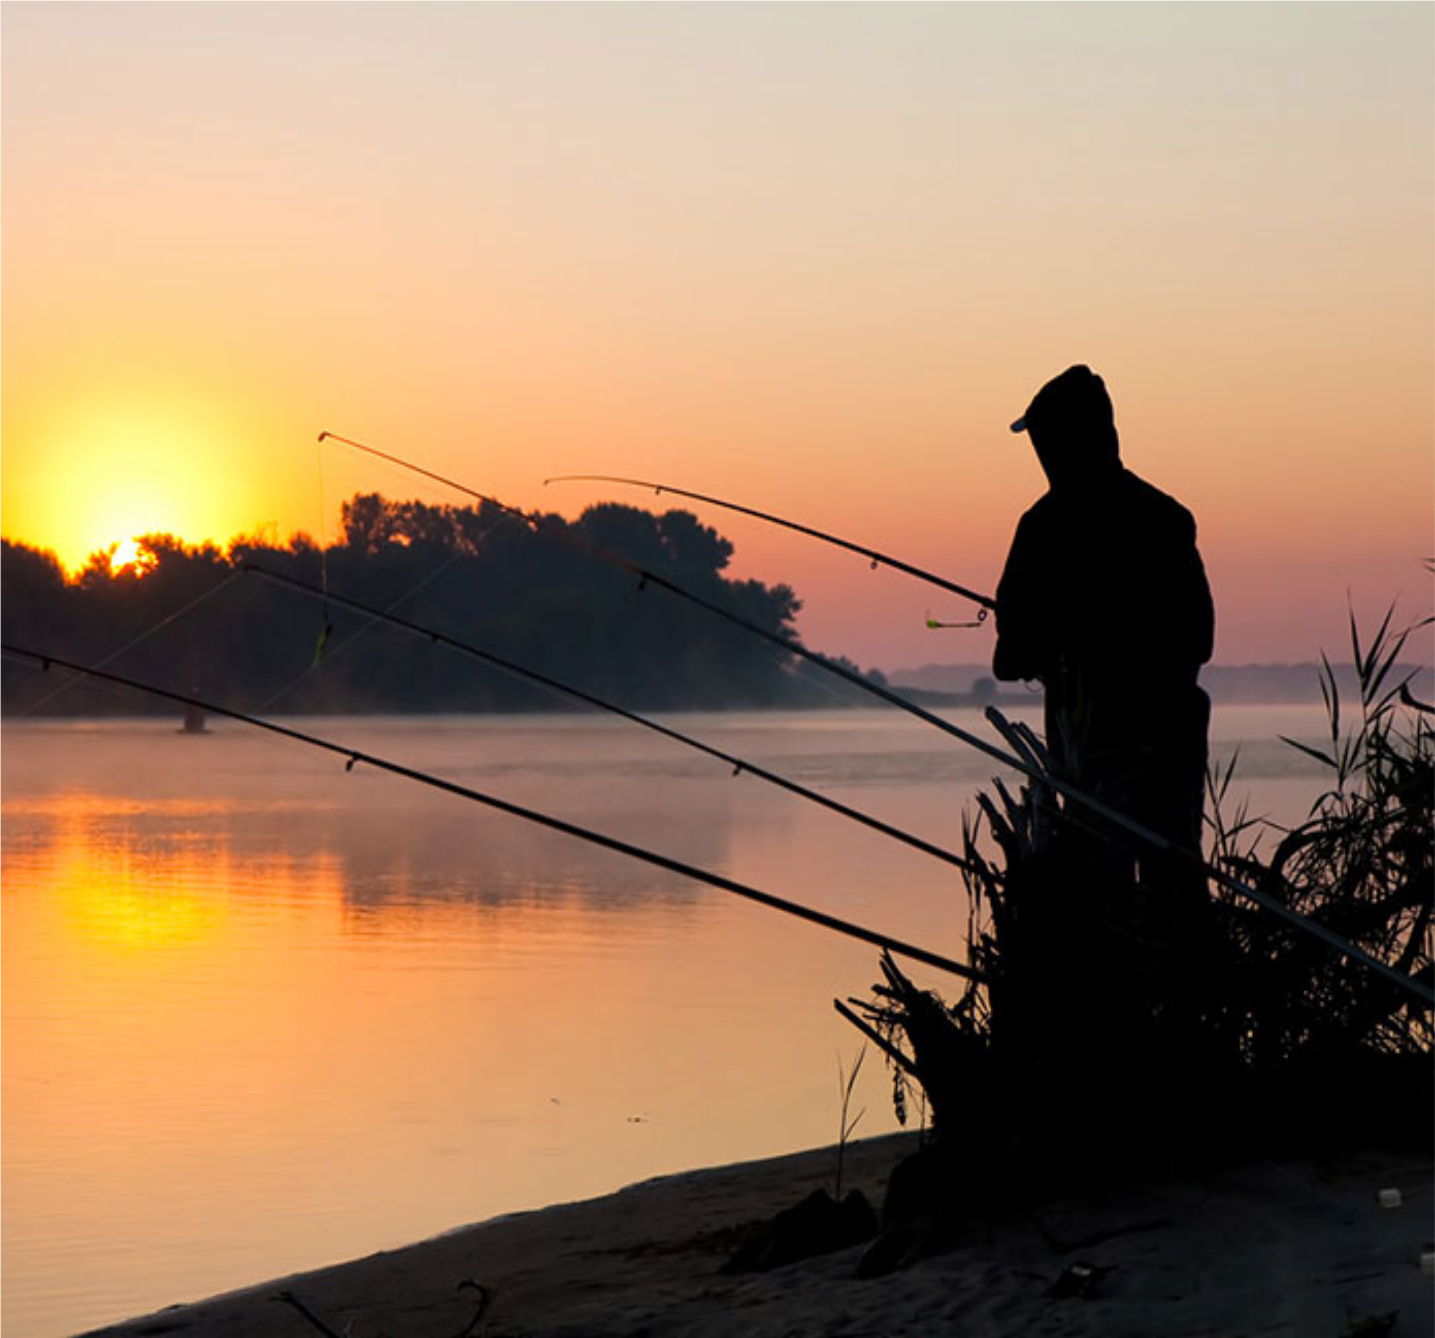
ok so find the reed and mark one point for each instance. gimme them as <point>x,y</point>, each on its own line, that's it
<point>846,1122</point>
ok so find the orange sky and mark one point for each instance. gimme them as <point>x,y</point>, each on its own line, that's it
<point>814,258</point>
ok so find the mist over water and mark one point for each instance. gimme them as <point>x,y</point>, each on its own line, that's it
<point>261,1014</point>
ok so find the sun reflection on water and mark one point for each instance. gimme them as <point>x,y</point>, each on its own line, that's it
<point>134,905</point>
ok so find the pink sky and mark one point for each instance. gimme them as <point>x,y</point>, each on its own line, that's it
<point>813,258</point>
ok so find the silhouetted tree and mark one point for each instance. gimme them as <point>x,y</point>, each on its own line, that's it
<point>187,618</point>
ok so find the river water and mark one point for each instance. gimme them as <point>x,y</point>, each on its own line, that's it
<point>261,1013</point>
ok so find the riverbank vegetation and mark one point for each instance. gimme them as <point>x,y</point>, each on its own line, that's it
<point>1117,1027</point>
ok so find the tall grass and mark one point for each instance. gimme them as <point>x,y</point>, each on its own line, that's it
<point>1362,863</point>
<point>1114,1019</point>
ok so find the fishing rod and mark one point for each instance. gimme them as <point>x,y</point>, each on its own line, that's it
<point>738,764</point>
<point>646,577</point>
<point>985,602</point>
<point>1026,767</point>
<point>355,756</point>
<point>876,558</point>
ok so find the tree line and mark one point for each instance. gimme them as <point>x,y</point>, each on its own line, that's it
<point>189,618</point>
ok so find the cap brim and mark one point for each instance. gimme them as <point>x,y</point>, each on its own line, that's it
<point>1019,425</point>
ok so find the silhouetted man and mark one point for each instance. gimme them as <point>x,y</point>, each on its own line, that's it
<point>1105,601</point>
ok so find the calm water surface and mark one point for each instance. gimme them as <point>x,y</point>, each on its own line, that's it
<point>260,1014</point>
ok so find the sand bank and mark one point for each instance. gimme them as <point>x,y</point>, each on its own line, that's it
<point>1293,1248</point>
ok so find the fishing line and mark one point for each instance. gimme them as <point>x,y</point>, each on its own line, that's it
<point>326,627</point>
<point>344,643</point>
<point>1063,787</point>
<point>348,641</point>
<point>562,689</point>
<point>135,641</point>
<point>354,756</point>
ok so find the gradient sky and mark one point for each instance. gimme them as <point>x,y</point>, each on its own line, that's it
<point>813,258</point>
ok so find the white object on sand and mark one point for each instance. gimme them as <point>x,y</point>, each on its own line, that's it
<point>1390,1198</point>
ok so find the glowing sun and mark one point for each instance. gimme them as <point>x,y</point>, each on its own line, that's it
<point>127,555</point>
<point>101,472</point>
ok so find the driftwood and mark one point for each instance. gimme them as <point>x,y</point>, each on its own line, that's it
<point>321,1325</point>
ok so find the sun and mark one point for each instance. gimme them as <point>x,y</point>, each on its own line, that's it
<point>93,475</point>
<point>127,555</point>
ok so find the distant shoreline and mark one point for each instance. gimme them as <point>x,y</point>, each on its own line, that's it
<point>1250,684</point>
<point>936,686</point>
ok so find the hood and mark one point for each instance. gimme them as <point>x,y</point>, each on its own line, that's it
<point>1072,427</point>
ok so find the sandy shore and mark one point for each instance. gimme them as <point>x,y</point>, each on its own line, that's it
<point>1275,1248</point>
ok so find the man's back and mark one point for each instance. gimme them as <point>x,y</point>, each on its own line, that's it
<point>1105,580</point>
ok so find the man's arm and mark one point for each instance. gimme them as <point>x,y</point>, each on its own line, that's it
<point>1021,649</point>
<point>1197,611</point>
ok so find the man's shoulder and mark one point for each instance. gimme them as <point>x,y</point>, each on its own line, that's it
<point>1129,495</point>
<point>1044,508</point>
<point>1151,499</point>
